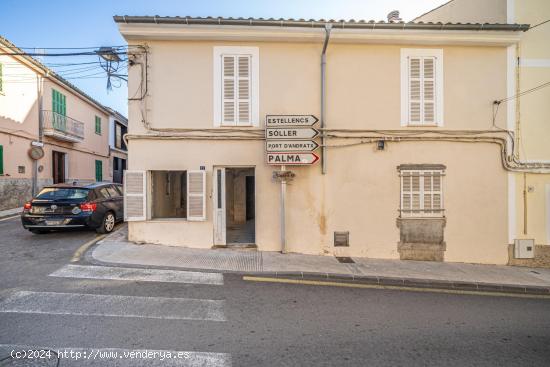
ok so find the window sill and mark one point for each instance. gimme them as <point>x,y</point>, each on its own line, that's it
<point>422,125</point>
<point>169,220</point>
<point>235,126</point>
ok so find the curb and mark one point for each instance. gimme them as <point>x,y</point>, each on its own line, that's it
<point>411,282</point>
<point>349,278</point>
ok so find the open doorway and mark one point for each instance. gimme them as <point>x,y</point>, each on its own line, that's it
<point>235,213</point>
<point>59,169</point>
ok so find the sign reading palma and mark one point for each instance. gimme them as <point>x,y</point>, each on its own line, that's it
<point>290,159</point>
<point>289,140</point>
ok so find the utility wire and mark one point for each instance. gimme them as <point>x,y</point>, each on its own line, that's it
<point>541,23</point>
<point>543,85</point>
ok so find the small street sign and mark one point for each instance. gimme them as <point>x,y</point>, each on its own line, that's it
<point>290,146</point>
<point>290,133</point>
<point>292,159</point>
<point>283,175</point>
<point>290,120</point>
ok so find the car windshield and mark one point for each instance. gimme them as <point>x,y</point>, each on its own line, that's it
<point>55,193</point>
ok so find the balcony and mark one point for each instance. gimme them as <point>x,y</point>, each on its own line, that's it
<point>62,127</point>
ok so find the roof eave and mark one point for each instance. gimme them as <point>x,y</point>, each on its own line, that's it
<point>419,34</point>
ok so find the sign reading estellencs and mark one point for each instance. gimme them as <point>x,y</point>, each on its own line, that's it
<point>288,139</point>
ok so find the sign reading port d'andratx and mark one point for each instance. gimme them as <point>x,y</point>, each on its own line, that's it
<point>290,120</point>
<point>273,146</point>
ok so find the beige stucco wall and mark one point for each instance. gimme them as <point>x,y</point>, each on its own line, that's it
<point>357,76</point>
<point>360,192</point>
<point>468,11</point>
<point>534,121</point>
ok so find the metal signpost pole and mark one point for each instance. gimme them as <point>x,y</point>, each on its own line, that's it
<point>283,216</point>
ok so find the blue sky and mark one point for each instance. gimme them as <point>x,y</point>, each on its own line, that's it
<point>72,23</point>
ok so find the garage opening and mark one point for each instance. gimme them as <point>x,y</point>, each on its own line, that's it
<point>169,190</point>
<point>240,206</point>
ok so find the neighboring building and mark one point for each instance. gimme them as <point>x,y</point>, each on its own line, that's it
<point>528,117</point>
<point>44,116</point>
<point>415,168</point>
<point>118,127</point>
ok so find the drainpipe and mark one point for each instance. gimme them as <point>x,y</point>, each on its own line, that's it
<point>328,27</point>
<point>34,186</point>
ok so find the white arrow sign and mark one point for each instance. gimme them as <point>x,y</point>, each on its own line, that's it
<point>290,133</point>
<point>291,159</point>
<point>290,120</point>
<point>290,146</point>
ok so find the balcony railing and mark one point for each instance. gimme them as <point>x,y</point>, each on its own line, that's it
<point>62,127</point>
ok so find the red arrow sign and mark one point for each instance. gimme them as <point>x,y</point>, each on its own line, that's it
<point>291,159</point>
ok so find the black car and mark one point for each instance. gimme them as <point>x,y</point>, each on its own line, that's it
<point>98,206</point>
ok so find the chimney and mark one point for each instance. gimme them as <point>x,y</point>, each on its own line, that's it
<point>393,16</point>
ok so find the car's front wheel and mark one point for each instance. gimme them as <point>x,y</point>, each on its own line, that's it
<point>108,223</point>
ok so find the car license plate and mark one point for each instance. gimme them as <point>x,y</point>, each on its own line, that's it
<point>53,222</point>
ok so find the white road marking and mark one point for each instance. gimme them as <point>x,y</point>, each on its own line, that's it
<point>8,218</point>
<point>136,274</point>
<point>126,357</point>
<point>114,306</point>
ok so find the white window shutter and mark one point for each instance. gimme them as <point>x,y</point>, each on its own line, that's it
<point>243,90</point>
<point>196,195</point>
<point>135,203</point>
<point>229,86</point>
<point>415,92</point>
<point>428,90</point>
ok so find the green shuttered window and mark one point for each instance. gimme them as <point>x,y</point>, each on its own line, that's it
<point>98,170</point>
<point>98,125</point>
<point>59,108</point>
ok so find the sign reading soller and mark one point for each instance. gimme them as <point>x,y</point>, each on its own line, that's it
<point>290,120</point>
<point>292,159</point>
<point>290,133</point>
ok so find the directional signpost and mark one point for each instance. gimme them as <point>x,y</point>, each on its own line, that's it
<point>272,146</point>
<point>289,142</point>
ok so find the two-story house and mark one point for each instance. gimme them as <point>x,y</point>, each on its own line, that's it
<point>526,106</point>
<point>50,130</point>
<point>412,163</point>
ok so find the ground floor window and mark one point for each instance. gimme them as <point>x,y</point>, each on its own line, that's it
<point>169,194</point>
<point>98,171</point>
<point>421,190</point>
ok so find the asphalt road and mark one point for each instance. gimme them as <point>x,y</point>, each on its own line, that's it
<point>223,320</point>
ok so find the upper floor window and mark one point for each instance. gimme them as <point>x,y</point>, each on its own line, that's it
<point>98,125</point>
<point>421,87</point>
<point>236,86</point>
<point>120,131</point>
<point>59,103</point>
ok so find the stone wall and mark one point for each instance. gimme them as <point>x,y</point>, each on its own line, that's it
<point>14,192</point>
<point>541,259</point>
<point>421,239</point>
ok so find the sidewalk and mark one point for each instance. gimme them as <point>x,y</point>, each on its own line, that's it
<point>115,249</point>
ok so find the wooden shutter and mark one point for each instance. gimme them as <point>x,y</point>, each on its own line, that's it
<point>1,160</point>
<point>415,94</point>
<point>243,91</point>
<point>196,192</point>
<point>428,90</point>
<point>228,90</point>
<point>135,204</point>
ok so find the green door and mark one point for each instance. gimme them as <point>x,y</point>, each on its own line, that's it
<point>98,171</point>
